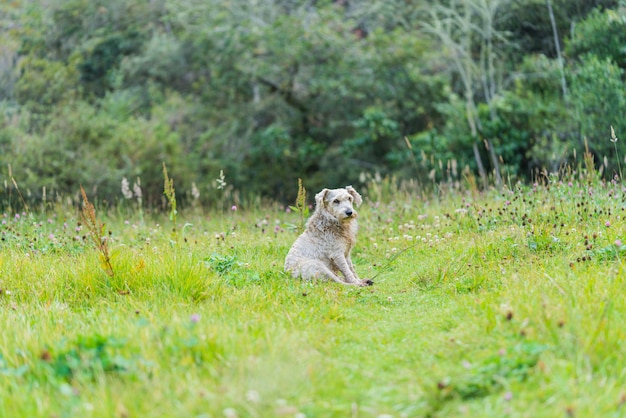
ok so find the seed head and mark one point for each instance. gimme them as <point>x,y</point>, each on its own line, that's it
<point>613,138</point>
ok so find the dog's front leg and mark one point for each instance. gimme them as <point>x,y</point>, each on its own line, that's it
<point>345,267</point>
<point>361,282</point>
<point>351,265</point>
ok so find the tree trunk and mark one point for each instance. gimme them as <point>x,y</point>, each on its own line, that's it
<point>470,110</point>
<point>557,45</point>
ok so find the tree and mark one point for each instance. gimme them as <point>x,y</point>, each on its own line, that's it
<point>528,23</point>
<point>602,33</point>
<point>597,93</point>
<point>466,29</point>
<point>271,91</point>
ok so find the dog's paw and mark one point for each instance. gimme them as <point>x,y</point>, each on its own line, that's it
<point>366,282</point>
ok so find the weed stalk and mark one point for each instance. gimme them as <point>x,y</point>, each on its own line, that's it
<point>300,207</point>
<point>19,193</point>
<point>170,194</point>
<point>97,232</point>
<point>590,167</point>
<point>614,141</point>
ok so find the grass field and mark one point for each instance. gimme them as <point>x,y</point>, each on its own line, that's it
<point>500,304</point>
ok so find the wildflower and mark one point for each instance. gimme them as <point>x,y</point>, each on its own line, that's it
<point>137,188</point>
<point>126,189</point>
<point>17,216</point>
<point>221,181</point>
<point>508,396</point>
<point>194,191</point>
<point>51,236</point>
<point>288,210</point>
<point>253,396</point>
<point>230,413</point>
<point>194,318</point>
<point>607,224</point>
<point>618,243</point>
<point>233,208</point>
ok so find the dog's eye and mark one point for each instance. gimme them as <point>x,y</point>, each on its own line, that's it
<point>350,198</point>
<point>336,201</point>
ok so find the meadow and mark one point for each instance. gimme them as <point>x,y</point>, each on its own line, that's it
<point>504,303</point>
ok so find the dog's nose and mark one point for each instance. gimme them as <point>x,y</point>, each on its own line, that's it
<point>349,212</point>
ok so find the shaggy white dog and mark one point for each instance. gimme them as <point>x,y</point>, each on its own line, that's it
<point>323,249</point>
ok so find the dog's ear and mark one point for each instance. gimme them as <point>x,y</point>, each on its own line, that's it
<point>320,197</point>
<point>357,197</point>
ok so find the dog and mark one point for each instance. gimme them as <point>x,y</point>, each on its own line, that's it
<point>322,251</point>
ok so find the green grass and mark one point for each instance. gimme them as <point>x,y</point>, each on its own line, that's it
<point>500,304</point>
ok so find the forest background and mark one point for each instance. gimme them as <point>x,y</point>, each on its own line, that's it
<point>247,96</point>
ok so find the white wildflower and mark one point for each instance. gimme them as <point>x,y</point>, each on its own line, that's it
<point>194,191</point>
<point>126,189</point>
<point>221,181</point>
<point>137,188</point>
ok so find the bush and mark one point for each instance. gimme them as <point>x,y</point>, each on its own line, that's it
<point>597,94</point>
<point>96,148</point>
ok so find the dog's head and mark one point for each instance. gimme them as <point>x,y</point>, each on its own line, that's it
<point>340,203</point>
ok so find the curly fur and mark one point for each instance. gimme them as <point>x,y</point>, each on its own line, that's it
<point>323,249</point>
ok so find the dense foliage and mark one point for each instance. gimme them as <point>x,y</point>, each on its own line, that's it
<point>94,91</point>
